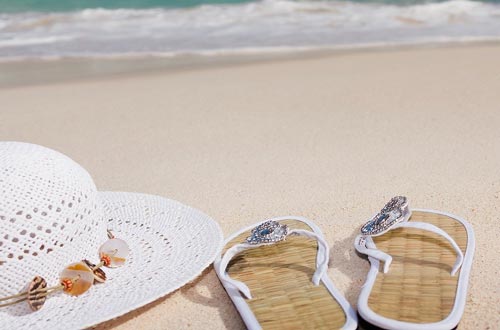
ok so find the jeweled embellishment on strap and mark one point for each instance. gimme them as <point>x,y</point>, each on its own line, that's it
<point>268,232</point>
<point>395,211</point>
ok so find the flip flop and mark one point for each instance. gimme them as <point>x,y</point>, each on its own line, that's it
<point>278,278</point>
<point>427,257</point>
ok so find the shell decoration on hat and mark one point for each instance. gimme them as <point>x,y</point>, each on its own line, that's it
<point>49,211</point>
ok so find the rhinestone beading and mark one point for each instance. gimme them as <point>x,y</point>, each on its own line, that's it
<point>392,213</point>
<point>268,232</point>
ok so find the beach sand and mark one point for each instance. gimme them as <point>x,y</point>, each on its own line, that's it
<point>328,137</point>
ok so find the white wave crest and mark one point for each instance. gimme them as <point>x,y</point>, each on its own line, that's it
<point>262,24</point>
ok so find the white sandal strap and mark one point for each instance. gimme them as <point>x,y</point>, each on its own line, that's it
<point>364,243</point>
<point>429,227</point>
<point>321,261</point>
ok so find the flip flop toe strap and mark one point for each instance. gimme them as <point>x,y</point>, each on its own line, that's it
<point>263,235</point>
<point>364,244</point>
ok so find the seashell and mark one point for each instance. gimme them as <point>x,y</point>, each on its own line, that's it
<point>99,274</point>
<point>77,278</point>
<point>36,298</point>
<point>116,250</point>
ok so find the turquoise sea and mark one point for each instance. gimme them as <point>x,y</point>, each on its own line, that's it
<point>68,5</point>
<point>108,28</point>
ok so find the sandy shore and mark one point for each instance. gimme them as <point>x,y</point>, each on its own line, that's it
<point>330,138</point>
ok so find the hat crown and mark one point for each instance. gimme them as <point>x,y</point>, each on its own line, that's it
<point>50,214</point>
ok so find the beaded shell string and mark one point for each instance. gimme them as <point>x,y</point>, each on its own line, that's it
<point>76,278</point>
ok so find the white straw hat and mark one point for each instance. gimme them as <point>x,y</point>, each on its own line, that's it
<point>51,215</point>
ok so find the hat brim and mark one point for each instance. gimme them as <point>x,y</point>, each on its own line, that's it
<point>170,245</point>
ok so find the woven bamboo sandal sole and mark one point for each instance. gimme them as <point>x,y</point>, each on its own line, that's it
<point>283,284</point>
<point>426,256</point>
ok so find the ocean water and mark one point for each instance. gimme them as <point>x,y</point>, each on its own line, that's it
<point>106,28</point>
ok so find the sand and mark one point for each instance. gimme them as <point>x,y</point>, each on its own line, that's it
<point>330,137</point>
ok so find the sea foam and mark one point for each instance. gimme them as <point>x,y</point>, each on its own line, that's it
<point>263,25</point>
